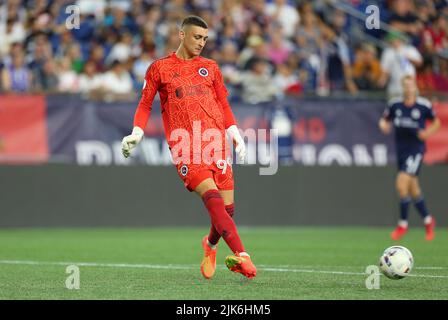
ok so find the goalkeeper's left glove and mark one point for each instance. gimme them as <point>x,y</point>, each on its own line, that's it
<point>130,142</point>
<point>240,147</point>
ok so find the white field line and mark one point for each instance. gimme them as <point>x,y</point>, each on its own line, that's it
<point>352,267</point>
<point>193,267</point>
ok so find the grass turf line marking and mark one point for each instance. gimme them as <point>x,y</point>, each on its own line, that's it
<point>190,267</point>
<point>353,267</point>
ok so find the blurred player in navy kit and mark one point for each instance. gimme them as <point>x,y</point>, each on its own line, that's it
<point>408,115</point>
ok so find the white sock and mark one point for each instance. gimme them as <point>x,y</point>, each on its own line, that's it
<point>403,223</point>
<point>212,246</point>
<point>427,220</point>
<point>244,254</point>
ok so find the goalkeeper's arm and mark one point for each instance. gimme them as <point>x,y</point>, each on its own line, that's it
<point>143,112</point>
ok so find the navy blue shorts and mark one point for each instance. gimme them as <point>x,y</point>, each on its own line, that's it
<point>410,163</point>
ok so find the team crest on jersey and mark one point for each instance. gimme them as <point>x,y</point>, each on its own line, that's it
<point>415,114</point>
<point>203,72</point>
<point>184,170</point>
<point>398,113</point>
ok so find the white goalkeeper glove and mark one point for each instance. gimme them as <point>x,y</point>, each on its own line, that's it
<point>130,142</point>
<point>240,147</point>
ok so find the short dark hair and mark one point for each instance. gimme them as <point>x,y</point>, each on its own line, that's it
<point>194,21</point>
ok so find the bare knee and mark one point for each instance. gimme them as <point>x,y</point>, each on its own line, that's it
<point>416,191</point>
<point>403,184</point>
<point>204,186</point>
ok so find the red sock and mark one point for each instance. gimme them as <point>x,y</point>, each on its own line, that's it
<point>221,220</point>
<point>214,236</point>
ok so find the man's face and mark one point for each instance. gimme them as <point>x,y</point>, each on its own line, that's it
<point>396,43</point>
<point>193,39</point>
<point>409,86</point>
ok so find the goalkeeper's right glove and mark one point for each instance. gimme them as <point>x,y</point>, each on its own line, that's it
<point>130,142</point>
<point>240,147</point>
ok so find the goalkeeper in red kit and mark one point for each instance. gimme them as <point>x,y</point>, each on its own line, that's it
<point>194,104</point>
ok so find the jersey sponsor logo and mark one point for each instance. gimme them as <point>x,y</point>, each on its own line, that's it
<point>415,114</point>
<point>188,91</point>
<point>203,72</point>
<point>184,170</point>
<point>406,123</point>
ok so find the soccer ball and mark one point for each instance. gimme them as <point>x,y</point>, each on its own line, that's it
<point>396,262</point>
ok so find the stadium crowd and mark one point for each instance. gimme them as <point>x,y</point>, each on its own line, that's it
<point>266,49</point>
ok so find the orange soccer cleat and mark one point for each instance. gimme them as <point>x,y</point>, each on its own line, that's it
<point>241,264</point>
<point>398,233</point>
<point>208,265</point>
<point>430,234</point>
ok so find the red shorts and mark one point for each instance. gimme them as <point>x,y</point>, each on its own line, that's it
<point>193,174</point>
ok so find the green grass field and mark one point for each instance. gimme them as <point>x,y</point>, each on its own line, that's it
<point>163,263</point>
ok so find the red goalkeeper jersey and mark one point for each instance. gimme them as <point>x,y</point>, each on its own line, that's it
<point>190,91</point>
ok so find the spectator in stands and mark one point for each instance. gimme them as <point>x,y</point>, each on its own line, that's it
<point>429,81</point>
<point>139,67</point>
<point>367,67</point>
<point>435,42</point>
<point>228,63</point>
<point>147,44</point>
<point>10,33</point>
<point>16,76</point>
<point>74,54</point>
<point>339,69</point>
<point>39,26</point>
<point>235,11</point>
<point>121,51</point>
<point>90,81</point>
<point>286,80</point>
<point>404,19</point>
<point>47,79</point>
<point>97,56</point>
<point>425,11</point>
<point>171,41</point>
<point>397,61</point>
<point>40,53</point>
<point>255,49</point>
<point>253,30</point>
<point>175,10</point>
<point>118,21</point>
<point>12,9</point>
<point>256,11</point>
<point>309,41</point>
<point>435,36</point>
<point>14,48</point>
<point>278,48</point>
<point>68,78</point>
<point>229,33</point>
<point>64,41</point>
<point>257,83</point>
<point>117,83</point>
<point>152,17</point>
<point>254,43</point>
<point>284,15</point>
